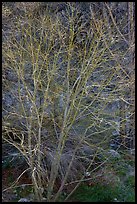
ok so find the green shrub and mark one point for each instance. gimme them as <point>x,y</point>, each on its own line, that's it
<point>130,181</point>
<point>103,193</point>
<point>96,193</point>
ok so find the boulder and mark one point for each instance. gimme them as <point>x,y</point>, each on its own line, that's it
<point>23,200</point>
<point>114,153</point>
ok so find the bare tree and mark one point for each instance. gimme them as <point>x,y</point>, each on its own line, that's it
<point>63,77</point>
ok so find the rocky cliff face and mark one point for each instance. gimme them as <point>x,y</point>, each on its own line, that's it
<point>15,13</point>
